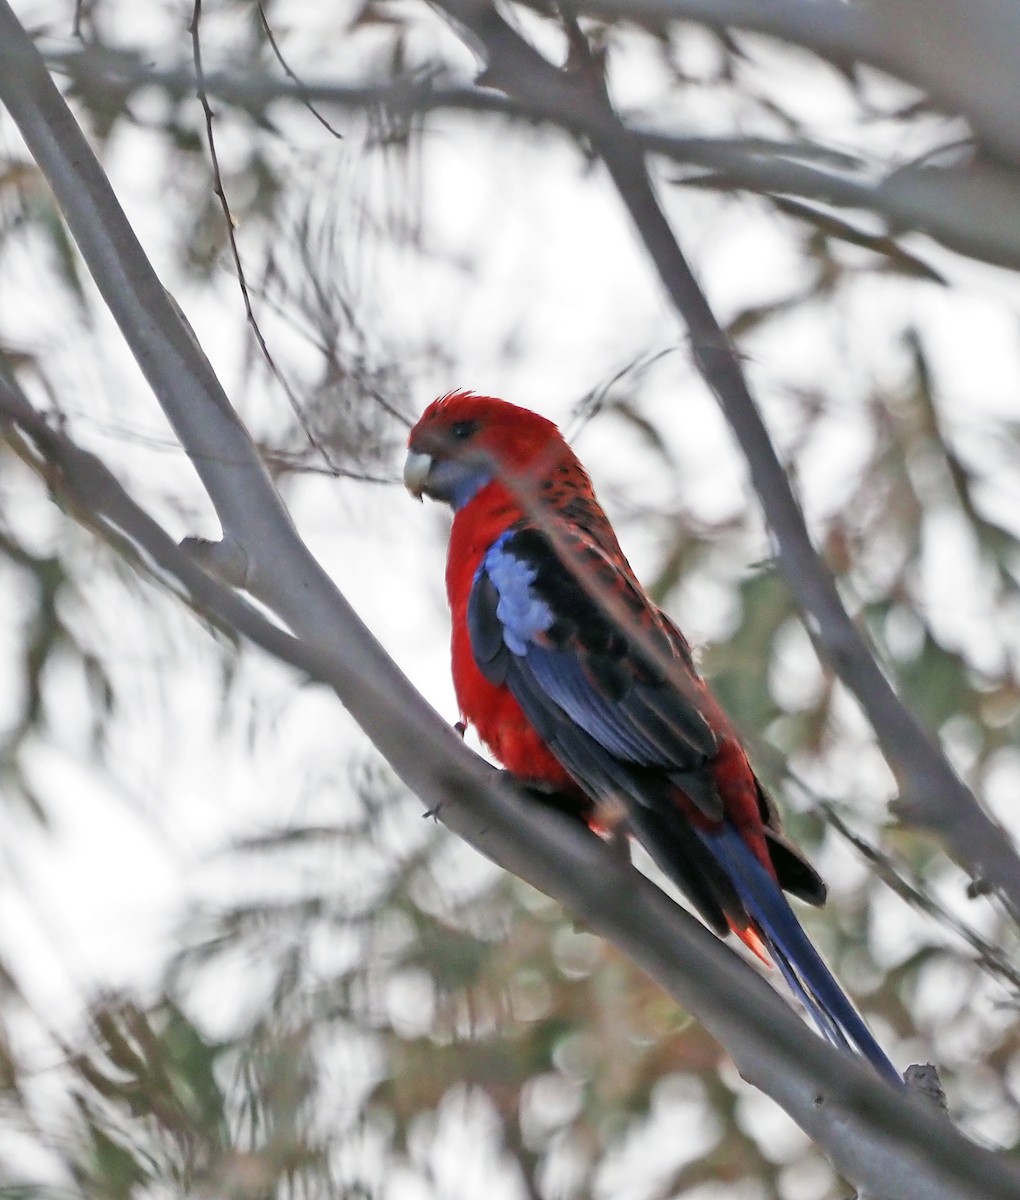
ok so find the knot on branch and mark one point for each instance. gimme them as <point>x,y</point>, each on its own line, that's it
<point>922,1079</point>
<point>226,559</point>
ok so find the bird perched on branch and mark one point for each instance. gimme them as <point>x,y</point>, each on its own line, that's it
<point>583,688</point>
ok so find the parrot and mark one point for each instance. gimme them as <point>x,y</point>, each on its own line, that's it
<point>587,692</point>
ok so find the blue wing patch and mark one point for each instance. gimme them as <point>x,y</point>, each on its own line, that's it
<point>534,629</point>
<point>520,611</point>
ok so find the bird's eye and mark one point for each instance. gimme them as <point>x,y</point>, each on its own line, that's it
<point>462,430</point>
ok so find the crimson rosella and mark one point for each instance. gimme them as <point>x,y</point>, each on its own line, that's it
<point>583,688</point>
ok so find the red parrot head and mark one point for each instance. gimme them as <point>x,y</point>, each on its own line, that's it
<point>462,442</point>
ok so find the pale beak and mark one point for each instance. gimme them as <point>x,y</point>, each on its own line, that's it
<point>416,472</point>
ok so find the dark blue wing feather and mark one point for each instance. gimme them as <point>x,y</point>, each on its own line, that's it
<point>529,617</point>
<point>562,677</point>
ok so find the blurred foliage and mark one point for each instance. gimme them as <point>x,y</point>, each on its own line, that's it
<point>477,1004</point>
<point>370,1012</point>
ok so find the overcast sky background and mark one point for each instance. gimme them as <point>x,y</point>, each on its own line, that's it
<point>534,285</point>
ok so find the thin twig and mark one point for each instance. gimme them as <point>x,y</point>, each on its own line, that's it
<point>274,45</point>
<point>277,458</point>
<point>228,219</point>
<point>595,400</point>
<point>77,25</point>
<point>990,957</point>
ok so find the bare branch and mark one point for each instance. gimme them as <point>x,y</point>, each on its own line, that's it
<point>289,72</point>
<point>194,28</point>
<point>970,207</point>
<point>250,511</point>
<point>892,1144</point>
<point>884,1140</point>
<point>989,956</point>
<point>962,57</point>
<point>840,33</point>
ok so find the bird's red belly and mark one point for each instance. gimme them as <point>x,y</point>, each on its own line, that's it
<point>498,720</point>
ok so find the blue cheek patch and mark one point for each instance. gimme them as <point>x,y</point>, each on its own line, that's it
<point>521,612</point>
<point>469,486</point>
<point>458,483</point>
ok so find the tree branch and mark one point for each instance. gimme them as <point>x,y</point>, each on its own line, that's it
<point>882,1139</point>
<point>889,1142</point>
<point>963,57</point>
<point>840,33</point>
<point>162,342</point>
<point>970,207</point>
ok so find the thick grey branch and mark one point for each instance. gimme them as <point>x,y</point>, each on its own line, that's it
<point>280,570</point>
<point>897,1147</point>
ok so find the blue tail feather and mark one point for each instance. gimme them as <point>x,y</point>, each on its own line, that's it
<point>800,963</point>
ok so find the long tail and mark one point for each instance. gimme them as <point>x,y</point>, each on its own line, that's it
<point>800,963</point>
